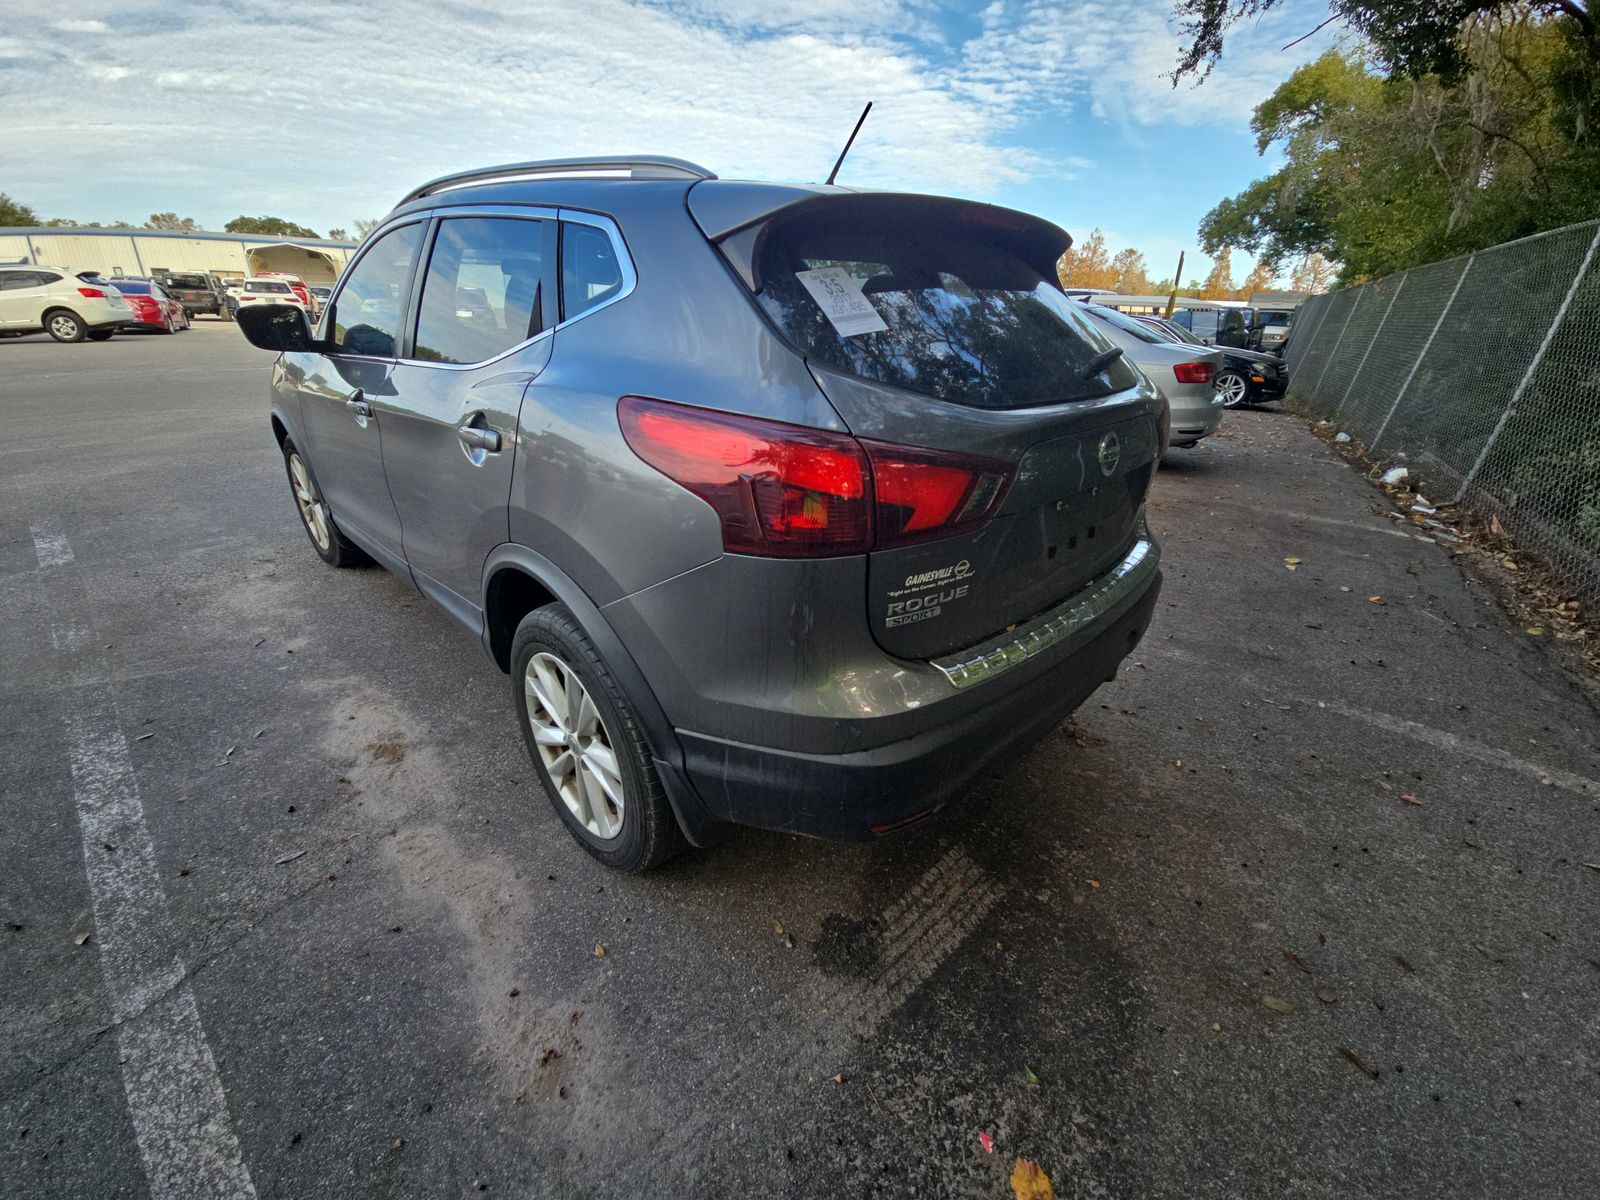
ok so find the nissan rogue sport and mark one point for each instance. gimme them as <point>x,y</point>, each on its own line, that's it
<point>782,505</point>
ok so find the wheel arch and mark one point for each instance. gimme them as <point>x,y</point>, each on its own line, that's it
<point>517,580</point>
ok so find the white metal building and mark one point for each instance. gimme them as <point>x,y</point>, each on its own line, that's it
<point>149,252</point>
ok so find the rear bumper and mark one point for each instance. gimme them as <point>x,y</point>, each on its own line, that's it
<point>862,792</point>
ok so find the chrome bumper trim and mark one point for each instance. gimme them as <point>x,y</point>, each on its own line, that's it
<point>1096,598</point>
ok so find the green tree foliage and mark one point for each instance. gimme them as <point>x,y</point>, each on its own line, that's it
<point>338,235</point>
<point>1384,173</point>
<point>275,226</point>
<point>1408,37</point>
<point>171,222</point>
<point>14,212</point>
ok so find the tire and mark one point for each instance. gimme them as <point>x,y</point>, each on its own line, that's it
<point>65,326</point>
<point>100,335</point>
<point>1234,389</point>
<point>551,648</point>
<point>330,544</point>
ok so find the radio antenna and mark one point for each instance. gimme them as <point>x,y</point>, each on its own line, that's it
<point>834,174</point>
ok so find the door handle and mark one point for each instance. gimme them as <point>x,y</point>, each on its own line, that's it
<point>476,438</point>
<point>357,404</point>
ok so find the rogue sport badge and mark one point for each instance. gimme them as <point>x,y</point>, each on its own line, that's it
<point>1109,454</point>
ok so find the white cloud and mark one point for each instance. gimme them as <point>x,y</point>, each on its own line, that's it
<point>334,115</point>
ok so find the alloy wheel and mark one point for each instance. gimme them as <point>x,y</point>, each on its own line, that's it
<point>63,326</point>
<point>312,511</point>
<point>574,745</point>
<point>1233,388</point>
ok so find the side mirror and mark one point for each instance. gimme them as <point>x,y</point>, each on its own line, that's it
<point>280,327</point>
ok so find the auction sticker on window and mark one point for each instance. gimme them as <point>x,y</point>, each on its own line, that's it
<point>841,301</point>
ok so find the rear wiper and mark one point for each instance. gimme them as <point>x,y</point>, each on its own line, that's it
<point>1099,363</point>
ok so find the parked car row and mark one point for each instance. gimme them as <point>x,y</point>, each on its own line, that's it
<point>74,307</point>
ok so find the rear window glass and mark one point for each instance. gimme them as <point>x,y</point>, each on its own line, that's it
<point>187,281</point>
<point>945,307</point>
<point>1127,324</point>
<point>129,287</point>
<point>265,285</point>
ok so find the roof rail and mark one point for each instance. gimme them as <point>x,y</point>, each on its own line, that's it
<point>637,166</point>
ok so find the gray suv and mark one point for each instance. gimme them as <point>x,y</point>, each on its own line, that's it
<point>782,505</point>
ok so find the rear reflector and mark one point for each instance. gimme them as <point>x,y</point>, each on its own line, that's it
<point>1194,372</point>
<point>92,293</point>
<point>790,492</point>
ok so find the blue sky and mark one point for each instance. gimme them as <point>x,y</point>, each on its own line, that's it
<point>122,109</point>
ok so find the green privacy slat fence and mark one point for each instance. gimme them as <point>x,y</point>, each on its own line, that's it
<point>1484,372</point>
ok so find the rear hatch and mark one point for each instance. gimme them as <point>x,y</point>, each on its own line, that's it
<point>940,324</point>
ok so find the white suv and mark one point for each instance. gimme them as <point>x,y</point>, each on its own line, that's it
<point>69,309</point>
<point>257,290</point>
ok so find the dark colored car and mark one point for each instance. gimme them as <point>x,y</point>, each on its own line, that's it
<point>197,293</point>
<point>782,505</point>
<point>1247,376</point>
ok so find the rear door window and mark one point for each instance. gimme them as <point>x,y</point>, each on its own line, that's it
<point>486,288</point>
<point>1203,322</point>
<point>949,306</point>
<point>370,307</point>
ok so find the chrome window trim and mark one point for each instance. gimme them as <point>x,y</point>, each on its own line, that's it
<point>1094,600</point>
<point>630,278</point>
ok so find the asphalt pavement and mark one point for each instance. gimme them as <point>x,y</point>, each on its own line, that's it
<point>1304,904</point>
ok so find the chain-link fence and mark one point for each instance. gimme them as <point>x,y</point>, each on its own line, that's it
<point>1485,372</point>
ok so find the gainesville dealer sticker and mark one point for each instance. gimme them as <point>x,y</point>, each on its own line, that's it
<point>924,594</point>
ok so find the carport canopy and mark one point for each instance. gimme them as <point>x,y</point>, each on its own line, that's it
<point>311,264</point>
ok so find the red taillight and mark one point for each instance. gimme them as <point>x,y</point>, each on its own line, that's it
<point>1194,372</point>
<point>92,293</point>
<point>923,494</point>
<point>780,490</point>
<point>790,492</point>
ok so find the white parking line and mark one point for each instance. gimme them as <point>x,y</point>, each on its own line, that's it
<point>175,1100</point>
<point>1467,748</point>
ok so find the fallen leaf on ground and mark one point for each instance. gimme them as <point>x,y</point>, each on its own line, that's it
<point>80,939</point>
<point>986,1142</point>
<point>1327,994</point>
<point>788,942</point>
<point>1350,1057</point>
<point>1027,1073</point>
<point>1216,1028</point>
<point>1029,1182</point>
<point>1404,962</point>
<point>1535,630</point>
<point>777,928</point>
<point>1278,1004</point>
<point>1374,599</point>
<point>1410,799</point>
<point>599,950</point>
<point>838,1078</point>
<point>288,858</point>
<point>1495,527</point>
<point>1094,883</point>
<point>1296,961</point>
